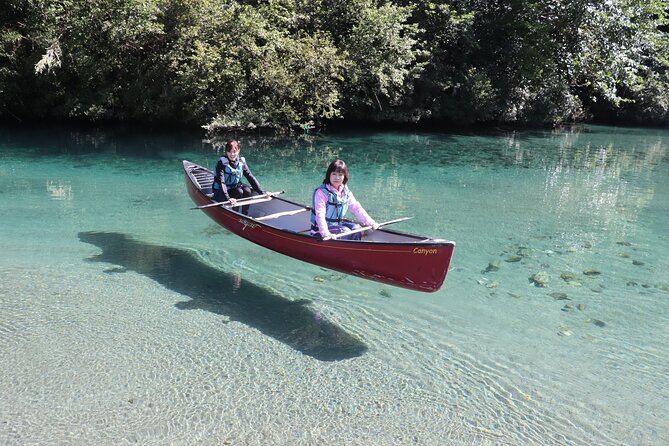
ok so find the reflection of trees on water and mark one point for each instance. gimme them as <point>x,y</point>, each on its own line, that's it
<point>597,172</point>
<point>59,190</point>
<point>291,154</point>
<point>606,180</point>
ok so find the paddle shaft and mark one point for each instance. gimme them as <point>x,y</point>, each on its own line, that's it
<point>243,201</point>
<point>365,228</point>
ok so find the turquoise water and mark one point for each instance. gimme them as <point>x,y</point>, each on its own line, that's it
<point>126,317</point>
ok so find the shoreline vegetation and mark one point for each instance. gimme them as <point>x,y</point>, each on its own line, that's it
<point>298,65</point>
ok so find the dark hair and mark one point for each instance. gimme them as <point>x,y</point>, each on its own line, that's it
<point>336,166</point>
<point>231,145</point>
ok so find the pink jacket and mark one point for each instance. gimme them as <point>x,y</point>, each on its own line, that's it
<point>320,204</point>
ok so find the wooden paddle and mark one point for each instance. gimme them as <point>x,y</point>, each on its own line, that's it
<point>365,228</point>
<point>243,201</point>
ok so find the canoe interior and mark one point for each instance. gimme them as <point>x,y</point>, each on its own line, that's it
<point>276,213</point>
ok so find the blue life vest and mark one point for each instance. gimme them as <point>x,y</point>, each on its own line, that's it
<point>231,175</point>
<point>335,210</point>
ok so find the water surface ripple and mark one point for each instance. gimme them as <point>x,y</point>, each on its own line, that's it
<point>126,317</point>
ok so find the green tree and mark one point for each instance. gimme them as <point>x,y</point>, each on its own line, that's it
<point>246,66</point>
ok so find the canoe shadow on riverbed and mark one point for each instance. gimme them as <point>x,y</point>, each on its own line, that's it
<point>291,322</point>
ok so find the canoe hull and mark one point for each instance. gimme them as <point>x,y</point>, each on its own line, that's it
<point>420,266</point>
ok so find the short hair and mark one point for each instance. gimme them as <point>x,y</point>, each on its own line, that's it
<point>336,166</point>
<point>231,145</point>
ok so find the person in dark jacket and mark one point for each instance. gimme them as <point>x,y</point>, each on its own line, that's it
<point>228,174</point>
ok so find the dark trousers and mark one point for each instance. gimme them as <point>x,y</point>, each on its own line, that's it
<point>344,227</point>
<point>242,191</point>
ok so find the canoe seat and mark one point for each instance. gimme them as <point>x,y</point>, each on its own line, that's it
<point>283,214</point>
<point>204,180</point>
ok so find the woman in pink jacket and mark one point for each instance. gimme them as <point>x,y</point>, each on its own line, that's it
<point>331,201</point>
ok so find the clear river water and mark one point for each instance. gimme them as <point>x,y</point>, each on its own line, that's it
<point>126,317</point>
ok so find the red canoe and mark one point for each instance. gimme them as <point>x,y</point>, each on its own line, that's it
<point>391,257</point>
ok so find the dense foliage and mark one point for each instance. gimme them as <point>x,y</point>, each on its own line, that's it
<point>281,63</point>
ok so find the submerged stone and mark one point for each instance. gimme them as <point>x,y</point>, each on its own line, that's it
<point>562,331</point>
<point>592,272</point>
<point>581,307</point>
<point>513,259</point>
<point>637,263</point>
<point>567,276</point>
<point>624,243</point>
<point>540,279</point>
<point>598,323</point>
<point>559,296</point>
<point>492,266</point>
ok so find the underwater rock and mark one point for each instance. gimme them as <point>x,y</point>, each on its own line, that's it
<point>637,263</point>
<point>486,283</point>
<point>574,283</point>
<point>328,277</point>
<point>492,267</point>
<point>632,283</point>
<point>567,308</point>
<point>214,230</point>
<point>581,307</point>
<point>587,245</point>
<point>562,331</point>
<point>540,279</point>
<point>385,293</point>
<point>624,243</point>
<point>662,287</point>
<point>513,259</point>
<point>523,251</point>
<point>567,276</point>
<point>592,272</point>
<point>624,255</point>
<point>559,296</point>
<point>598,323</point>
<point>116,269</point>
